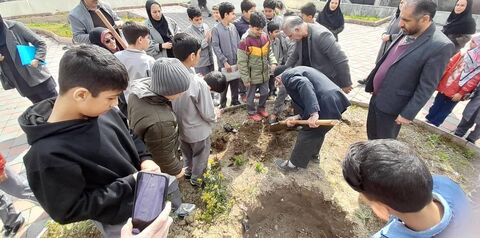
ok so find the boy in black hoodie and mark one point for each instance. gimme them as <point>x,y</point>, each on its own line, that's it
<point>83,160</point>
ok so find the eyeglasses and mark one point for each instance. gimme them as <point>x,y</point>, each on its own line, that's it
<point>108,40</point>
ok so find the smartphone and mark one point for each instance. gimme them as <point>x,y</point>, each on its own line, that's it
<point>150,198</point>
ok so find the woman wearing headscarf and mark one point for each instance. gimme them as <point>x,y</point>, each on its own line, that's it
<point>391,32</point>
<point>471,115</point>
<point>461,77</point>
<point>332,17</point>
<point>162,29</point>
<point>32,81</point>
<point>460,24</point>
<point>83,19</point>
<point>104,38</point>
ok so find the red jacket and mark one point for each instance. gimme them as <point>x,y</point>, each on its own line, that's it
<point>454,87</point>
<point>2,164</point>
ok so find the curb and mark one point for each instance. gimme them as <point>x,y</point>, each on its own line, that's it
<point>436,130</point>
<point>369,23</point>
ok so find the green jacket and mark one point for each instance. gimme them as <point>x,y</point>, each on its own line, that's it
<point>254,58</point>
<point>152,119</point>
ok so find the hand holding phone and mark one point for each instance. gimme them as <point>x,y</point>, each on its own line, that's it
<point>150,198</point>
<point>158,229</point>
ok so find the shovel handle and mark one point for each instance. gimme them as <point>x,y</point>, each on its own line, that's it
<point>319,122</point>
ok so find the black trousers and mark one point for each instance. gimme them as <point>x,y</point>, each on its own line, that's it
<point>381,125</point>
<point>233,91</point>
<point>308,145</point>
<point>42,91</point>
<point>271,86</point>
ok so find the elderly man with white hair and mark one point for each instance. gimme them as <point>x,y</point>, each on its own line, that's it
<point>316,47</point>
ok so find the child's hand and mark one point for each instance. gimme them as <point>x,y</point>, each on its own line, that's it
<point>247,84</point>
<point>228,67</point>
<point>208,35</point>
<point>273,67</point>
<point>167,45</point>
<point>218,113</point>
<point>150,166</point>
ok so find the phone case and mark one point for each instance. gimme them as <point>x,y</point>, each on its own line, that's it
<point>150,198</point>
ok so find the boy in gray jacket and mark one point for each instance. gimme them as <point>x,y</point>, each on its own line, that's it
<point>135,59</point>
<point>225,41</point>
<point>195,111</point>
<point>203,34</point>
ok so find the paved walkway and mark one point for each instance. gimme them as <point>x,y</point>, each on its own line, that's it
<point>361,44</point>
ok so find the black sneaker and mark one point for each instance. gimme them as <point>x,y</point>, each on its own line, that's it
<point>315,159</point>
<point>235,103</point>
<point>362,81</point>
<point>283,165</point>
<point>11,231</point>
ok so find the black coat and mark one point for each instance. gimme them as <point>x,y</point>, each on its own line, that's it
<point>414,76</point>
<point>82,169</point>
<point>313,92</point>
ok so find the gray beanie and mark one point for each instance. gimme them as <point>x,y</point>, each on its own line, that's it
<point>169,77</point>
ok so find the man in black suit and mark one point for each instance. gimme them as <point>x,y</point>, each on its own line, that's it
<point>408,73</point>
<point>316,97</point>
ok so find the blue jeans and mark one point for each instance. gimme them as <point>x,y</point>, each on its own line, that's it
<point>441,108</point>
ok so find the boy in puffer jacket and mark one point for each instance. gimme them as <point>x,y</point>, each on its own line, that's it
<point>255,61</point>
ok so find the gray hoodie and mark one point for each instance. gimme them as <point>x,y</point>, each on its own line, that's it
<point>195,112</point>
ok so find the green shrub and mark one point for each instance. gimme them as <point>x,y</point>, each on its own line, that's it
<point>215,194</point>
<point>74,230</point>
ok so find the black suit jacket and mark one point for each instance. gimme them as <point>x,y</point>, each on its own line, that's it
<point>413,77</point>
<point>313,92</point>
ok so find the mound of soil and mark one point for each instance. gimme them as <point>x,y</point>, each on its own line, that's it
<point>296,212</point>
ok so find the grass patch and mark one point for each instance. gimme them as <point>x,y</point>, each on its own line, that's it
<point>434,139</point>
<point>260,168</point>
<point>239,160</point>
<point>74,230</point>
<point>469,154</point>
<point>59,29</point>
<point>134,19</point>
<point>363,18</point>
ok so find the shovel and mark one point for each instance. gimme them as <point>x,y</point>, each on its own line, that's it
<point>283,124</point>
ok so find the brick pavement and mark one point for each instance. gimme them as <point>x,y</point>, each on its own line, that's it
<point>360,43</point>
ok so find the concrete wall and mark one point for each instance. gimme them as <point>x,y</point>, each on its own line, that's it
<point>378,11</point>
<point>33,7</point>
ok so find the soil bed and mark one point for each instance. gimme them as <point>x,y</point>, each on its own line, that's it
<point>314,202</point>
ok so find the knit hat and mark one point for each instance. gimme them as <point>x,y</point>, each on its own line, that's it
<point>169,77</point>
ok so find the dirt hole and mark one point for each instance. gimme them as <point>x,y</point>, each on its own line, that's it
<point>296,212</point>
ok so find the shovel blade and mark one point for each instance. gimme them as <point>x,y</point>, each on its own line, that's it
<point>277,126</point>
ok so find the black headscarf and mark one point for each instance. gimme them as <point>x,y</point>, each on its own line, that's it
<point>397,14</point>
<point>95,36</point>
<point>3,32</point>
<point>331,19</point>
<point>462,23</point>
<point>162,25</point>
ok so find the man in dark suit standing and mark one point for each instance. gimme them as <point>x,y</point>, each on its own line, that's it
<point>317,97</point>
<point>408,73</point>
